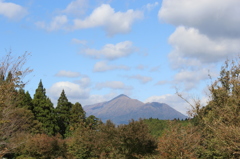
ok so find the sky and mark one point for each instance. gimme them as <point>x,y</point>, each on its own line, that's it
<point>98,49</point>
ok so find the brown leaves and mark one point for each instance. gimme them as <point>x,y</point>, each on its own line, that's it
<point>44,146</point>
<point>179,142</point>
<point>13,120</point>
<point>219,120</point>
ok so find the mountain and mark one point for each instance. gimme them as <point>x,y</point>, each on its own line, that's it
<point>121,109</point>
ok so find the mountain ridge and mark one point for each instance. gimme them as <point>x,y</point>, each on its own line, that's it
<point>122,108</point>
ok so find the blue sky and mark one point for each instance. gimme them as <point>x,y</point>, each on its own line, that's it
<point>96,50</point>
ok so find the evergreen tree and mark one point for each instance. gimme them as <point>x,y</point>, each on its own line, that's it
<point>24,100</point>
<point>62,113</point>
<point>43,110</point>
<point>28,101</point>
<point>77,116</point>
<point>92,122</point>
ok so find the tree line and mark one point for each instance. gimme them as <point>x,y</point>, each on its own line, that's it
<point>33,128</point>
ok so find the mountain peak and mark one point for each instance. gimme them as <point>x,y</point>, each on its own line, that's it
<point>122,108</point>
<point>122,95</point>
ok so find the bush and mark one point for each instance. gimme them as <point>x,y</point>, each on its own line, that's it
<point>179,141</point>
<point>108,141</point>
<point>219,121</point>
<point>42,146</point>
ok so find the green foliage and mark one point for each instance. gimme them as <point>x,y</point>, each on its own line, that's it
<point>108,141</point>
<point>157,127</point>
<point>62,113</point>
<point>28,127</point>
<point>24,100</point>
<point>135,139</point>
<point>92,122</point>
<point>82,143</point>
<point>24,157</point>
<point>77,118</point>
<point>44,111</point>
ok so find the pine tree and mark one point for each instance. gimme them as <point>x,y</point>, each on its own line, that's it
<point>62,113</point>
<point>43,110</point>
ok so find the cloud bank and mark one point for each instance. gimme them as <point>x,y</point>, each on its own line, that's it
<point>111,51</point>
<point>12,11</point>
<point>103,16</point>
<point>70,74</point>
<point>140,78</point>
<point>206,33</point>
<point>103,66</point>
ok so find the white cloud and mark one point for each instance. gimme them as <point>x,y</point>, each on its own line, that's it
<point>111,51</point>
<point>112,85</point>
<point>207,33</point>
<point>84,82</point>
<point>95,98</point>
<point>155,69</point>
<point>103,66</point>
<point>150,6</point>
<point>140,67</point>
<point>77,7</point>
<point>217,18</point>
<point>12,10</point>
<point>103,16</point>
<point>64,73</point>
<point>191,78</point>
<point>77,92</point>
<point>73,91</point>
<point>57,23</point>
<point>113,22</point>
<point>161,82</point>
<point>142,79</point>
<point>188,43</point>
<point>77,41</point>
<point>172,100</point>
<point>177,61</point>
<point>177,102</point>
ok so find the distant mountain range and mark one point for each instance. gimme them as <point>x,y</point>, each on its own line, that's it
<point>121,109</point>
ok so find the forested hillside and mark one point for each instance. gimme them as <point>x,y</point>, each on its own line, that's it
<point>32,128</point>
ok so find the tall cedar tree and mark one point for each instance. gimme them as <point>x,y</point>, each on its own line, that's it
<point>77,116</point>
<point>44,111</point>
<point>62,112</point>
<point>24,100</point>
